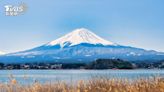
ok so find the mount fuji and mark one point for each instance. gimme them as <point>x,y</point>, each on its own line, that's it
<point>80,45</point>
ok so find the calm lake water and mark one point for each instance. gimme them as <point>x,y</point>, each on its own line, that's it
<point>30,76</point>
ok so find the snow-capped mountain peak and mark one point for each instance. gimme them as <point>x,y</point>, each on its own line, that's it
<point>79,36</point>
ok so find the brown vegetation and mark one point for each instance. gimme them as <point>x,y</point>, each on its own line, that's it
<point>94,85</point>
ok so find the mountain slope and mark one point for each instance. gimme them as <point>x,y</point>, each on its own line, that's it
<point>2,53</point>
<point>79,36</point>
<point>80,45</point>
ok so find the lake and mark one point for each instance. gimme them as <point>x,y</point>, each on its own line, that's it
<point>71,76</point>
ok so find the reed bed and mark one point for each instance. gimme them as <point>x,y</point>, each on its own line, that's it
<point>94,85</point>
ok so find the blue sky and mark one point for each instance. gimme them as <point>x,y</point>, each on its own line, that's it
<point>137,23</point>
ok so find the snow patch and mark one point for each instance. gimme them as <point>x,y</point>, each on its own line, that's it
<point>133,54</point>
<point>87,55</point>
<point>30,56</point>
<point>56,57</point>
<point>25,53</point>
<point>2,53</point>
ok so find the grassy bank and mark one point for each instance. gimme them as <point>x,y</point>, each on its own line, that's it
<point>94,85</point>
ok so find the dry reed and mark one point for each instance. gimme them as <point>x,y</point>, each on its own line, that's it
<point>94,85</point>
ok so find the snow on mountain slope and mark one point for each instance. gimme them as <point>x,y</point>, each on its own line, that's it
<point>2,53</point>
<point>79,36</point>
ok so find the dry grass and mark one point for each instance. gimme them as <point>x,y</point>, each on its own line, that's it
<point>94,85</point>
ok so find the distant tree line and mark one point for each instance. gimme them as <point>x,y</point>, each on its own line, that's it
<point>97,64</point>
<point>110,64</point>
